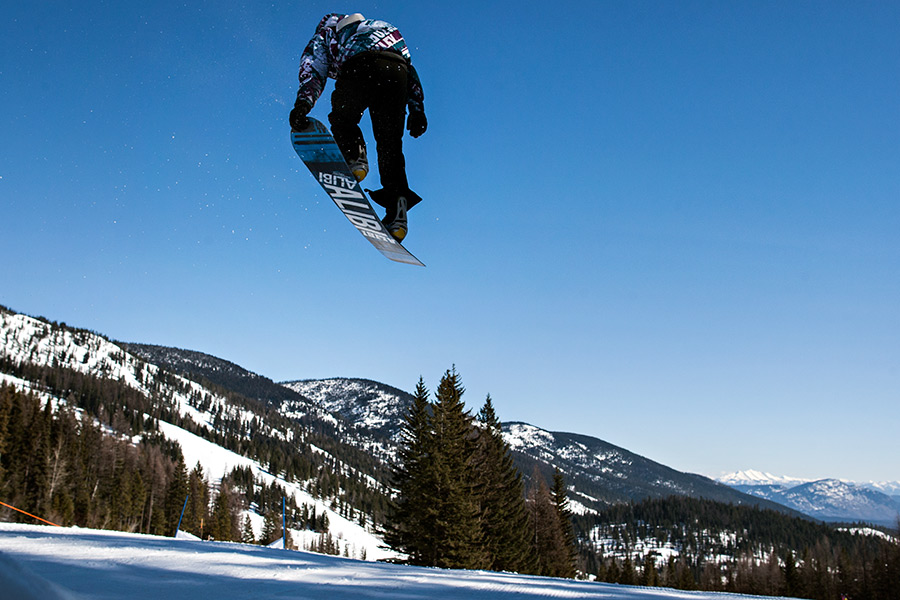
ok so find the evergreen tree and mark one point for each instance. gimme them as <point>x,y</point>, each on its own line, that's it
<point>37,480</point>
<point>649,574</point>
<point>561,502</point>
<point>63,456</point>
<point>436,517</point>
<point>457,524</point>
<point>196,514</point>
<point>119,493</point>
<point>410,529</point>
<point>6,400</point>
<point>684,577</point>
<point>247,536</point>
<point>501,493</point>
<point>271,528</point>
<point>627,576</point>
<point>547,535</point>
<point>176,495</point>
<point>225,526</point>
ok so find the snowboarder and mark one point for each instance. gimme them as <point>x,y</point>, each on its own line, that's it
<point>370,62</point>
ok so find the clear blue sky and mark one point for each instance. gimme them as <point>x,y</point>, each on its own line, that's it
<point>671,225</point>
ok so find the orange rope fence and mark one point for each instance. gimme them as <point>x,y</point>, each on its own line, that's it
<point>29,514</point>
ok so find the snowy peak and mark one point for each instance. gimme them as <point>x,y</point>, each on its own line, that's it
<point>891,488</point>
<point>753,477</point>
<point>366,404</point>
<point>826,499</point>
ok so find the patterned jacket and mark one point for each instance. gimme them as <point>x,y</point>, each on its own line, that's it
<point>328,50</point>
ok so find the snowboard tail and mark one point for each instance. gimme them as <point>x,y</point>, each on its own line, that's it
<point>319,152</point>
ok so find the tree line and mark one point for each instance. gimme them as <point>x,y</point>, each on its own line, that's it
<point>460,501</point>
<point>68,468</point>
<point>286,452</point>
<point>69,471</point>
<point>714,546</point>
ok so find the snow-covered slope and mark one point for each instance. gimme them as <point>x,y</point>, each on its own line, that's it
<point>366,405</point>
<point>33,342</point>
<point>104,565</point>
<point>26,340</point>
<point>351,538</point>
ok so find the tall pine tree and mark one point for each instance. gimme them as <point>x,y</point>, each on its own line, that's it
<point>225,525</point>
<point>196,514</point>
<point>561,502</point>
<point>460,501</point>
<point>504,516</point>
<point>457,524</point>
<point>548,536</point>
<point>176,495</point>
<point>411,523</point>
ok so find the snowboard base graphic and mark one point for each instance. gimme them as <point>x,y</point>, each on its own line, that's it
<point>319,152</point>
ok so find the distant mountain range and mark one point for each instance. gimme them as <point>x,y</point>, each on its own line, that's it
<point>825,499</point>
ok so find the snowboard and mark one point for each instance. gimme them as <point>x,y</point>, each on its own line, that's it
<point>319,152</point>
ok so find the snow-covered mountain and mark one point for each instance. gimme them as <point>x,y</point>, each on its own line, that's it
<point>753,477</point>
<point>223,416</point>
<point>598,473</point>
<point>891,488</point>
<point>373,411</point>
<point>361,414</point>
<point>826,499</point>
<point>29,346</point>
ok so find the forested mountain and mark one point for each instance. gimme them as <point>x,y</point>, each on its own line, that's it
<point>106,434</point>
<point>598,473</point>
<point>218,371</point>
<point>86,381</point>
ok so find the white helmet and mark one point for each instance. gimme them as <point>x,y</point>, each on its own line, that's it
<point>350,20</point>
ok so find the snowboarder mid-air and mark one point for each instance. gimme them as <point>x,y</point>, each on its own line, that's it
<point>371,65</point>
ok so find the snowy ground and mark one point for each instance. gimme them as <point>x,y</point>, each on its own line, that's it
<point>49,563</point>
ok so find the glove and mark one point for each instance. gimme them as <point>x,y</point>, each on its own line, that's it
<point>416,123</point>
<point>298,119</point>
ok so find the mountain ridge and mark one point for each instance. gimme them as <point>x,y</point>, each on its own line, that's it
<point>367,415</point>
<point>827,499</point>
<point>327,448</point>
<point>598,472</point>
<point>756,477</point>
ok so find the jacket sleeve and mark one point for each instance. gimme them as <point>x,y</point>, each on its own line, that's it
<point>415,96</point>
<point>314,66</point>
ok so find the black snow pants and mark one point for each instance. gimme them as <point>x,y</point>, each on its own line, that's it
<point>377,81</point>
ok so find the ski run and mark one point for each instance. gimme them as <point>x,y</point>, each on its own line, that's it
<point>49,563</point>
